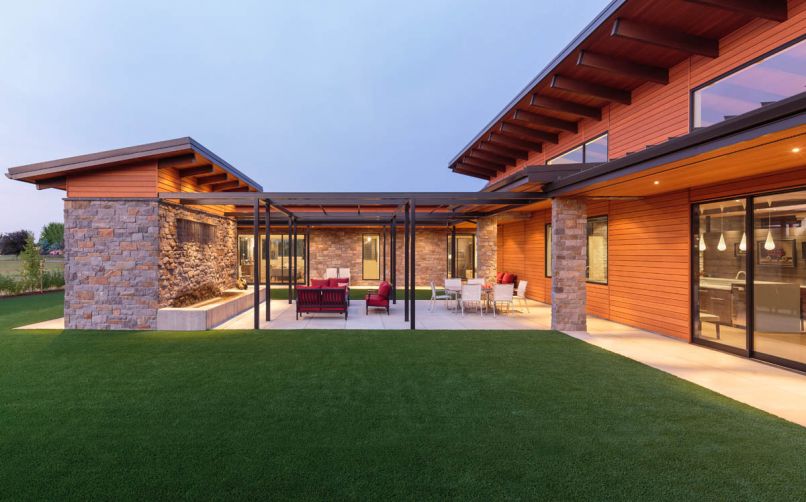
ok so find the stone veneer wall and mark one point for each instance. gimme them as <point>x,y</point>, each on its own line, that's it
<point>111,263</point>
<point>568,261</point>
<point>487,248</point>
<point>188,265</point>
<point>342,248</point>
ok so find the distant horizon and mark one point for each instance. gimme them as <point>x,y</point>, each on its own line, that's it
<point>349,97</point>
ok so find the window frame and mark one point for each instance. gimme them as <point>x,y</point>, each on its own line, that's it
<point>449,258</point>
<point>606,220</point>
<point>547,250</point>
<point>364,258</point>
<point>583,145</point>
<point>732,71</point>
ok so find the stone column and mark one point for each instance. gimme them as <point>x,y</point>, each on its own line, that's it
<point>487,248</point>
<point>568,262</point>
<point>111,263</point>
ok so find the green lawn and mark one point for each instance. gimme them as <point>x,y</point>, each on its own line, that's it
<point>340,414</point>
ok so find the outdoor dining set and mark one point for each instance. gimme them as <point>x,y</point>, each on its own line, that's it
<point>477,294</point>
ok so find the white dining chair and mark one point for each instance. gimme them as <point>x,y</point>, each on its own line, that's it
<point>502,295</point>
<point>477,280</point>
<point>520,294</point>
<point>344,273</point>
<point>453,287</point>
<point>471,295</point>
<point>435,295</point>
<point>331,273</point>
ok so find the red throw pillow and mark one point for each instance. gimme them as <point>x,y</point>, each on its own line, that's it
<point>499,277</point>
<point>319,283</point>
<point>384,289</point>
<point>337,282</point>
<point>508,279</point>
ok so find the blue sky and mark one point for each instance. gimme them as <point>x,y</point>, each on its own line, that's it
<point>301,96</point>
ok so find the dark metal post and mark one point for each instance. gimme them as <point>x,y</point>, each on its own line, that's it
<point>384,253</point>
<point>288,246</point>
<point>294,255</point>
<point>413,266</point>
<point>256,259</point>
<point>307,255</point>
<point>393,260</point>
<point>406,262</point>
<point>268,260</point>
<point>453,251</point>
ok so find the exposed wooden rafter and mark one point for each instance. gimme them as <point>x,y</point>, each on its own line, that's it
<point>775,10</point>
<point>238,189</point>
<point>213,178</point>
<point>196,171</point>
<point>217,187</point>
<point>504,150</point>
<point>665,37</point>
<point>483,163</point>
<point>542,120</point>
<point>471,172</point>
<point>566,107</point>
<point>492,157</point>
<point>460,166</point>
<point>525,132</point>
<point>590,89</point>
<point>623,67</point>
<point>515,142</point>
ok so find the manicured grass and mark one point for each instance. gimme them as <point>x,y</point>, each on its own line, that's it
<point>332,415</point>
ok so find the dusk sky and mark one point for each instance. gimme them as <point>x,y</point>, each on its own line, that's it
<point>300,96</point>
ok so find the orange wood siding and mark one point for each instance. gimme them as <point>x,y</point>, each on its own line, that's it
<point>168,180</point>
<point>138,180</point>
<point>660,111</point>
<point>521,251</point>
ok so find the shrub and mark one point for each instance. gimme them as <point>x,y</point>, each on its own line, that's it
<point>52,237</point>
<point>11,285</point>
<point>14,242</point>
<point>31,262</point>
<point>52,279</point>
<point>196,295</point>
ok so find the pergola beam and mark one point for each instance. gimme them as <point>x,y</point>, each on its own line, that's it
<point>623,67</point>
<point>774,10</point>
<point>563,106</point>
<point>665,37</point>
<point>590,89</point>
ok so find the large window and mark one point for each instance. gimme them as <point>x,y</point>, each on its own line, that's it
<point>465,256</point>
<point>279,262</point>
<point>597,250</point>
<point>777,76</point>
<point>592,151</point>
<point>749,290</point>
<point>371,257</point>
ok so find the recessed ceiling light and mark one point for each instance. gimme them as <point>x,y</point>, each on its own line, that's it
<point>657,182</point>
<point>796,150</point>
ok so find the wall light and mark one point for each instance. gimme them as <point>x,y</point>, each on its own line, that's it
<point>796,150</point>
<point>656,182</point>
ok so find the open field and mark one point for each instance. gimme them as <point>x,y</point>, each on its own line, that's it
<point>10,265</point>
<point>340,414</point>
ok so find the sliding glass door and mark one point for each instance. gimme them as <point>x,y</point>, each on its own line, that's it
<point>779,278</point>
<point>720,274</point>
<point>279,261</point>
<point>749,281</point>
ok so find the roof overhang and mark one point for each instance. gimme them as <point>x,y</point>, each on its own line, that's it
<point>42,172</point>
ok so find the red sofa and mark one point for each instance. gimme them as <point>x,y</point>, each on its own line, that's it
<point>311,300</point>
<point>380,298</point>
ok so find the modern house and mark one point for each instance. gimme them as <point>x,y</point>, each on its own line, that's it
<point>653,174</point>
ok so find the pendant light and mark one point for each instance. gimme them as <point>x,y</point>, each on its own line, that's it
<point>743,243</point>
<point>721,246</point>
<point>769,244</point>
<point>703,247</point>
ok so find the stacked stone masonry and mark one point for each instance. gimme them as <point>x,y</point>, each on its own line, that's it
<point>487,248</point>
<point>569,256</point>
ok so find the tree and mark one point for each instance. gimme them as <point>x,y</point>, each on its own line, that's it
<point>52,236</point>
<point>14,242</point>
<point>32,263</point>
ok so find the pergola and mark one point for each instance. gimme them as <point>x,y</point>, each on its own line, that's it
<point>307,209</point>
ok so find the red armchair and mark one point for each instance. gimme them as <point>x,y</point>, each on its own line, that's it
<point>380,298</point>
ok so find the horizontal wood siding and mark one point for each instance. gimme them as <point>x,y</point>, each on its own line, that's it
<point>649,263</point>
<point>521,251</point>
<point>137,180</point>
<point>659,112</point>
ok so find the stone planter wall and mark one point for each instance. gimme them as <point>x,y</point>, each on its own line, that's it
<point>184,266</point>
